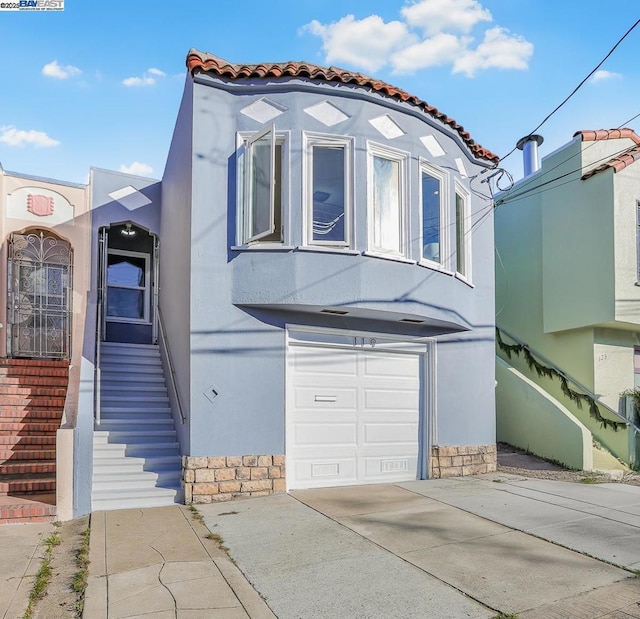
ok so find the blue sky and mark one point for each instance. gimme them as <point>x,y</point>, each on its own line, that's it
<point>99,83</point>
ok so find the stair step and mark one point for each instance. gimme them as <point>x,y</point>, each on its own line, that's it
<point>129,349</point>
<point>16,414</point>
<point>113,371</point>
<point>22,442</point>
<point>27,454</point>
<point>139,424</point>
<point>29,401</point>
<point>28,485</point>
<point>27,467</point>
<point>114,400</point>
<point>139,479</point>
<point>38,507</point>
<point>109,450</point>
<point>129,464</point>
<point>118,358</point>
<point>140,410</point>
<point>30,373</point>
<point>162,497</point>
<point>28,427</point>
<point>32,390</point>
<point>139,437</point>
<point>139,389</point>
<point>126,379</point>
<point>25,380</point>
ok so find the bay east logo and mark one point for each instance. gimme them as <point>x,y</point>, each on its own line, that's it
<point>32,5</point>
<point>42,5</point>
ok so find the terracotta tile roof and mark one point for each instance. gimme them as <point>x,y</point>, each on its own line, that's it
<point>208,63</point>
<point>620,161</point>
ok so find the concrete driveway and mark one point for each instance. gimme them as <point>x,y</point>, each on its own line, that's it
<point>465,547</point>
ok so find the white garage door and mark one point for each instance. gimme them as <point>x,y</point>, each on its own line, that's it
<point>352,416</point>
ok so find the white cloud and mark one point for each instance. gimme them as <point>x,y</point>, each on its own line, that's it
<point>139,81</point>
<point>149,78</point>
<point>601,75</point>
<point>435,16</point>
<point>437,50</point>
<point>18,137</point>
<point>433,33</point>
<point>500,50</point>
<point>56,70</point>
<point>141,169</point>
<point>365,43</point>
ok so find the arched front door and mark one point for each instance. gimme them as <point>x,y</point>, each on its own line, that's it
<point>127,284</point>
<point>39,295</point>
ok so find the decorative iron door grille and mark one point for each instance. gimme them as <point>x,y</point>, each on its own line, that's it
<point>40,288</point>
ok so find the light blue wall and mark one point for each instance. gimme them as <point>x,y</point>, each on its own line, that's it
<point>175,259</point>
<point>104,211</point>
<point>238,346</point>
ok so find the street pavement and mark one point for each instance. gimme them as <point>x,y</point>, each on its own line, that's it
<point>21,552</point>
<point>464,547</point>
<point>468,547</point>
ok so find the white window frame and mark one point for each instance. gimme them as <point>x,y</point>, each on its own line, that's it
<point>459,190</point>
<point>443,177</point>
<point>145,320</point>
<point>309,141</point>
<point>375,149</point>
<point>244,140</point>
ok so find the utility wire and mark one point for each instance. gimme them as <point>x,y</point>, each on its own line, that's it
<point>573,92</point>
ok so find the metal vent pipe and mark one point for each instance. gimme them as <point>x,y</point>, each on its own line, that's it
<point>529,147</point>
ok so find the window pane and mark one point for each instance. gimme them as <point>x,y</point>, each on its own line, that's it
<point>125,271</point>
<point>431,192</point>
<point>125,303</point>
<point>386,204</point>
<point>261,186</point>
<point>461,250</point>
<point>328,193</point>
<point>276,235</point>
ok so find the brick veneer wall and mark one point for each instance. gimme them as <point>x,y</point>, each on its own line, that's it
<point>222,478</point>
<point>455,461</point>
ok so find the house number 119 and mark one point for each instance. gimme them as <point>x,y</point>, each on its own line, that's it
<point>362,343</point>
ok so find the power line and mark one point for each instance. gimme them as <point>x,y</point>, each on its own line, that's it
<point>573,92</point>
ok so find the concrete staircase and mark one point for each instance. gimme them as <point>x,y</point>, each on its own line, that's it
<point>32,396</point>
<point>136,462</point>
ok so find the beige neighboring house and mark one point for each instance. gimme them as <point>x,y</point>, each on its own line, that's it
<point>568,288</point>
<point>44,277</point>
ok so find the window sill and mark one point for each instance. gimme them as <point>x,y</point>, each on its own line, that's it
<point>329,250</point>
<point>391,257</point>
<point>464,280</point>
<point>263,247</point>
<point>434,266</point>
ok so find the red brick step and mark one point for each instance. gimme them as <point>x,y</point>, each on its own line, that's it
<point>27,483</point>
<point>26,467</point>
<point>27,454</point>
<point>28,426</point>
<point>38,507</point>
<point>26,442</point>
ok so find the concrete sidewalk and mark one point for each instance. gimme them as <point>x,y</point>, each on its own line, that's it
<point>21,550</point>
<point>443,549</point>
<point>158,563</point>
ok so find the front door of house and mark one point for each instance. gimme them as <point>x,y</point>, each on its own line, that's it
<point>128,274</point>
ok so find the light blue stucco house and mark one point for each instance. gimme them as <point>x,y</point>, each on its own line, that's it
<point>305,299</point>
<point>326,282</point>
